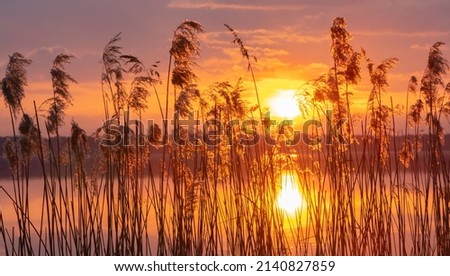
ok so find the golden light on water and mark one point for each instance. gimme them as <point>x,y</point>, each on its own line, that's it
<point>284,104</point>
<point>289,198</point>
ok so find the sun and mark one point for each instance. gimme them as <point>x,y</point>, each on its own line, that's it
<point>284,104</point>
<point>289,197</point>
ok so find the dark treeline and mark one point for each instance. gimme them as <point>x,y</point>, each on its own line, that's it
<point>93,153</point>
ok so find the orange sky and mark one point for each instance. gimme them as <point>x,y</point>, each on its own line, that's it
<point>290,39</point>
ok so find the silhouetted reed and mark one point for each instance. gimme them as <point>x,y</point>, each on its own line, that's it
<point>369,187</point>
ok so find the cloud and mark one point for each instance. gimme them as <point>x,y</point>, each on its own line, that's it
<point>401,33</point>
<point>54,50</point>
<point>312,70</point>
<point>420,47</point>
<point>424,47</point>
<point>314,16</point>
<point>269,52</point>
<point>211,5</point>
<point>265,37</point>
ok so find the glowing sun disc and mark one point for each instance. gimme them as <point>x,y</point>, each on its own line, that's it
<point>284,104</point>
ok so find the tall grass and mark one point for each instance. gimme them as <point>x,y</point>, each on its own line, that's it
<point>212,188</point>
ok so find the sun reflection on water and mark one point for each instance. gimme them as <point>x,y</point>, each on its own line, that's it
<point>289,198</point>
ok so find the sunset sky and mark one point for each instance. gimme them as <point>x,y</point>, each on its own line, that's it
<point>290,38</point>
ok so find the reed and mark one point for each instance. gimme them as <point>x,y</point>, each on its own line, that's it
<point>211,188</point>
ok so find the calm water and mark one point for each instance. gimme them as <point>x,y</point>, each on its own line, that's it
<point>35,202</point>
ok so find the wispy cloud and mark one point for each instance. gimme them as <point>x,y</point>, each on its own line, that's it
<point>402,33</point>
<point>265,37</point>
<point>282,35</point>
<point>212,5</point>
<point>423,47</point>
<point>56,49</point>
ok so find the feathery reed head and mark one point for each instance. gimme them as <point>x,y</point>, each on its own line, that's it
<point>340,48</point>
<point>61,97</point>
<point>185,49</point>
<point>78,137</point>
<point>29,138</point>
<point>14,81</point>
<point>10,154</point>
